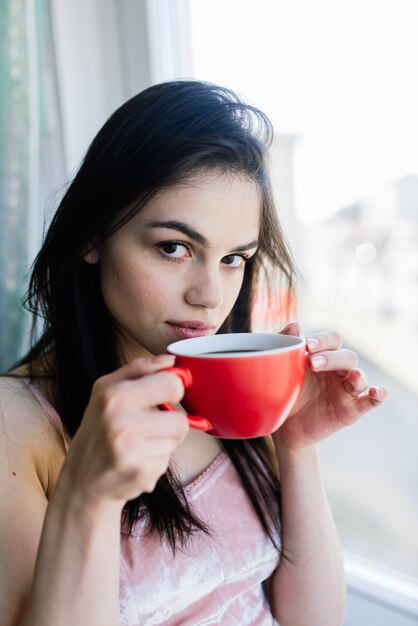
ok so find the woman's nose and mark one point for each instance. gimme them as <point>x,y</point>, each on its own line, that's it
<point>205,289</point>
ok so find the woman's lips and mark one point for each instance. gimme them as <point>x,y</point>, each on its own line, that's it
<point>192,328</point>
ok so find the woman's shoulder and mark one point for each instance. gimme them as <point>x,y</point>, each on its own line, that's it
<point>16,398</point>
<point>28,439</point>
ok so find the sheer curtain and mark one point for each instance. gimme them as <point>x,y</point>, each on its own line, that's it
<point>64,67</point>
<point>14,159</point>
<point>31,161</point>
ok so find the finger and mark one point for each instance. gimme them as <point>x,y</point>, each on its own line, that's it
<point>154,389</point>
<point>132,450</point>
<point>325,340</point>
<point>154,424</point>
<point>142,366</point>
<point>146,476</point>
<point>139,367</point>
<point>293,328</point>
<point>151,424</point>
<point>340,361</point>
<point>142,393</point>
<point>356,382</point>
<point>375,397</point>
<point>378,394</point>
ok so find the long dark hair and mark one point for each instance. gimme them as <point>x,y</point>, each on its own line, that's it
<point>159,138</point>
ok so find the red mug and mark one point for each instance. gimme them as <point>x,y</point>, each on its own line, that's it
<point>240,385</point>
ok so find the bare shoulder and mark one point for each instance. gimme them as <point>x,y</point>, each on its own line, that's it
<point>29,446</point>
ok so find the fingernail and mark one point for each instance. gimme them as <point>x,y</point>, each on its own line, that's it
<point>318,361</point>
<point>312,343</point>
<point>342,373</point>
<point>379,391</point>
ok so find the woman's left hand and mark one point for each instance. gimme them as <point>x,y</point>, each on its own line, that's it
<point>335,393</point>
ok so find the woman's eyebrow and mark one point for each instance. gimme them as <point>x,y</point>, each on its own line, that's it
<point>183,228</point>
<point>193,234</point>
<point>247,246</point>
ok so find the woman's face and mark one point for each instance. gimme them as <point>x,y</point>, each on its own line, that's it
<point>175,270</point>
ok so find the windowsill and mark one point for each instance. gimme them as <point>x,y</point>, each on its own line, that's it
<point>376,590</point>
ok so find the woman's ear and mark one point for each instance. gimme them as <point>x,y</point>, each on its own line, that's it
<point>92,256</point>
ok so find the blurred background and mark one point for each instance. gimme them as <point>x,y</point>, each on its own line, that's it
<point>337,80</point>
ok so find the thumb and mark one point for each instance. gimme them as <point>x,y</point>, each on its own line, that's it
<point>293,328</point>
<point>140,367</point>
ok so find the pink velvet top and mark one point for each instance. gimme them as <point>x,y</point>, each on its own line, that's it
<point>213,581</point>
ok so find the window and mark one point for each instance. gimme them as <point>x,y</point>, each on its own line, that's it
<point>14,160</point>
<point>31,160</point>
<point>53,98</point>
<point>336,78</point>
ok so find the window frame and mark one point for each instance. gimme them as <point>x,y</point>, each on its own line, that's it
<point>378,595</point>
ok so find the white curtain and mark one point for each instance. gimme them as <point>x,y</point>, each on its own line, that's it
<point>31,158</point>
<point>65,66</point>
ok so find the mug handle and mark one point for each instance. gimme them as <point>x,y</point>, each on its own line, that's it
<point>195,421</point>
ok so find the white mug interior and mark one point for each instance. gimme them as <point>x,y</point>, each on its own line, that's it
<point>235,345</point>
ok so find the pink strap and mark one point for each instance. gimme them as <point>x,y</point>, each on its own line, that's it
<point>48,409</point>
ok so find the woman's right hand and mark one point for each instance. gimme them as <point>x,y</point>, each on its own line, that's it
<point>124,442</point>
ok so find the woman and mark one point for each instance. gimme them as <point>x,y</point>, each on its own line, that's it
<point>112,511</point>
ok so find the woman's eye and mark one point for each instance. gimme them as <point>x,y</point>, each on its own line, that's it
<point>234,260</point>
<point>173,249</point>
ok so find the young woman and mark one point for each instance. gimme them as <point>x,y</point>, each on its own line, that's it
<point>111,510</point>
